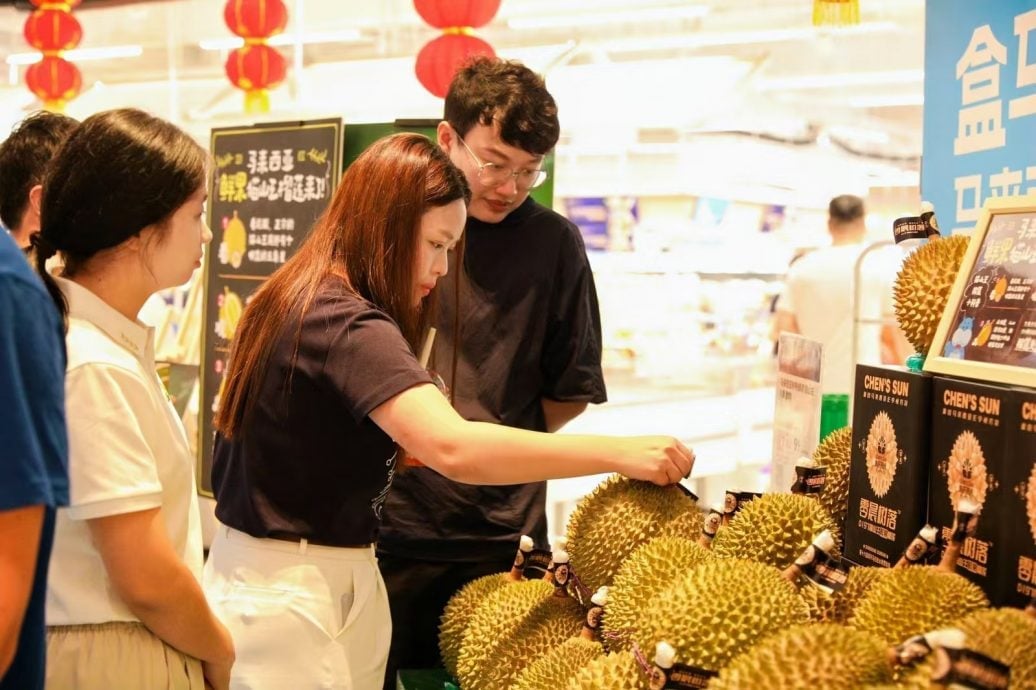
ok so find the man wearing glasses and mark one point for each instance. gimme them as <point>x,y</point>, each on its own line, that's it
<point>528,352</point>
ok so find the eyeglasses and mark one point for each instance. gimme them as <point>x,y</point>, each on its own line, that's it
<point>493,175</point>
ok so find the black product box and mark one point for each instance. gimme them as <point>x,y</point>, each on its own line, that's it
<point>970,425</point>
<point>1017,583</point>
<point>888,477</point>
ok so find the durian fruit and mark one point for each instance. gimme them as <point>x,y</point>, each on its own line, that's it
<point>835,453</point>
<point>551,670</point>
<point>923,287</point>
<point>825,656</point>
<point>1007,635</point>
<point>718,610</point>
<point>455,616</point>
<point>619,671</point>
<point>839,607</point>
<point>547,625</point>
<point>652,568</point>
<point>774,529</point>
<point>620,515</point>
<point>499,614</point>
<point>915,600</point>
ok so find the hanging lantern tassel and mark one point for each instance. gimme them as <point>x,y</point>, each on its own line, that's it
<point>836,12</point>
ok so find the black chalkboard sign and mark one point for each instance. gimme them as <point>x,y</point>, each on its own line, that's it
<point>270,183</point>
<point>988,330</point>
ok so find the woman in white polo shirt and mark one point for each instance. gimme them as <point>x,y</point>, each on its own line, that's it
<point>123,205</point>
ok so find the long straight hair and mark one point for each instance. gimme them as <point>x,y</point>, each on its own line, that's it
<point>368,238</point>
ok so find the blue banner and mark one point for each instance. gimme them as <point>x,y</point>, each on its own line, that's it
<point>979,106</point>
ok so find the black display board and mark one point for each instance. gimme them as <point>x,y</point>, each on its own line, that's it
<point>270,183</point>
<point>988,329</point>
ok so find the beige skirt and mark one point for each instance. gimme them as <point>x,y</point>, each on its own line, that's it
<point>111,656</point>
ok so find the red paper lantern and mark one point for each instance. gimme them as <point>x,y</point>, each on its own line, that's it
<point>51,30</point>
<point>255,18</point>
<point>440,59</point>
<point>444,14</point>
<point>256,68</point>
<point>65,5</point>
<point>54,80</point>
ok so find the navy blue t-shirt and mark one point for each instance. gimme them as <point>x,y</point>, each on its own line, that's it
<point>33,439</point>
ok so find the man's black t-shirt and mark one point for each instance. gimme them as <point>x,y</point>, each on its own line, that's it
<point>530,329</point>
<point>308,461</point>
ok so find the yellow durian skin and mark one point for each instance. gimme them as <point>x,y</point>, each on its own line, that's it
<point>652,568</point>
<point>915,600</point>
<point>718,610</point>
<point>553,669</point>
<point>500,613</point>
<point>774,529</point>
<point>839,607</point>
<point>549,623</point>
<point>1007,635</point>
<point>618,671</point>
<point>620,515</point>
<point>455,616</point>
<point>835,453</point>
<point>825,655</point>
<point>923,287</point>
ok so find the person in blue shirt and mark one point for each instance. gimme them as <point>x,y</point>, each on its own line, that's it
<point>33,462</point>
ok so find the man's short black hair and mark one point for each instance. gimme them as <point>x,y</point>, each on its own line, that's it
<point>490,89</point>
<point>845,208</point>
<point>24,156</point>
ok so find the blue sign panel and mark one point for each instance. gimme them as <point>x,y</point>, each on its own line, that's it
<point>979,106</point>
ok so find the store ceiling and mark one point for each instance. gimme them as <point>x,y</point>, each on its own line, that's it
<point>675,69</point>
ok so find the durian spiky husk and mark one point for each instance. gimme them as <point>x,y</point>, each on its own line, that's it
<point>551,670</point>
<point>774,529</point>
<point>501,612</point>
<point>923,286</point>
<point>619,671</point>
<point>652,568</point>
<point>620,515</point>
<point>718,610</point>
<point>455,616</point>
<point>835,453</point>
<point>915,600</point>
<point>808,656</point>
<point>550,623</point>
<point>1006,635</point>
<point>839,607</point>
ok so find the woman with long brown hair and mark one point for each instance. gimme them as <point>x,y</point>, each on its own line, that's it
<point>322,389</point>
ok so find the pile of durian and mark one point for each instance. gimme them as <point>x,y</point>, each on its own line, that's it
<point>649,592</point>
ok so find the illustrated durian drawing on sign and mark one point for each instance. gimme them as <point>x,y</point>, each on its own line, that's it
<point>966,471</point>
<point>1000,289</point>
<point>235,242</point>
<point>230,308</point>
<point>923,285</point>
<point>882,454</point>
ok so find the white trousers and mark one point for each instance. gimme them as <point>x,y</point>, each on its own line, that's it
<point>302,617</point>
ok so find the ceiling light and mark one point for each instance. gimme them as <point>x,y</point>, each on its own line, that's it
<point>80,54</point>
<point>839,79</point>
<point>232,42</point>
<point>739,38</point>
<point>597,18</point>
<point>887,101</point>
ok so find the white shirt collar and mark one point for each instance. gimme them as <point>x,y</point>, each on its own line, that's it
<point>134,336</point>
